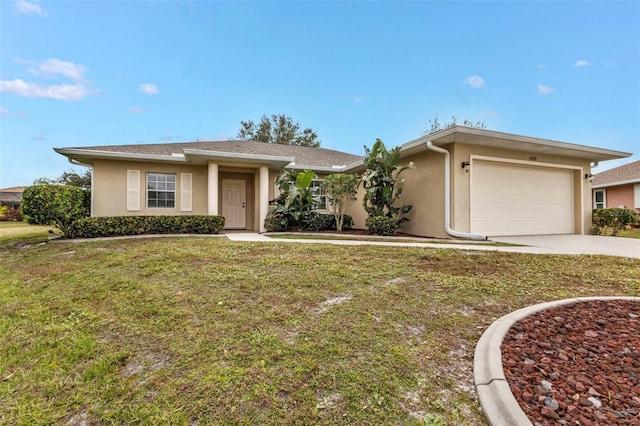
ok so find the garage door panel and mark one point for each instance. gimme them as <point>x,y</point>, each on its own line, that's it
<point>509,199</point>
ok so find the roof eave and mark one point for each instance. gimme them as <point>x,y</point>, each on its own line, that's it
<point>87,156</point>
<point>274,162</point>
<point>454,133</point>
<point>618,183</point>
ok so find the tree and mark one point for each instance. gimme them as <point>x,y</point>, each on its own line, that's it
<point>81,180</point>
<point>381,184</point>
<point>57,205</point>
<point>435,125</point>
<point>340,190</point>
<point>71,178</point>
<point>279,129</point>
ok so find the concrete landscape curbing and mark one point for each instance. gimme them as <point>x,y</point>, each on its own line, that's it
<point>496,399</point>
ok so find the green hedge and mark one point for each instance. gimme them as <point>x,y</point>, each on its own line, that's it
<point>317,222</point>
<point>93,227</point>
<point>313,222</point>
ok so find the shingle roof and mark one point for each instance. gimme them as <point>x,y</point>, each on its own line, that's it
<point>13,189</point>
<point>304,156</point>
<point>627,173</point>
<point>11,195</point>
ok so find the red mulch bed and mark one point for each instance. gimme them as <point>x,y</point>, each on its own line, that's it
<point>577,364</point>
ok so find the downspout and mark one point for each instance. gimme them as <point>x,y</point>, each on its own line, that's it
<point>447,198</point>
<point>78,163</point>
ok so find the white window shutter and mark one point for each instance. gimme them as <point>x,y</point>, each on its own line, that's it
<point>186,197</point>
<point>636,196</point>
<point>133,190</point>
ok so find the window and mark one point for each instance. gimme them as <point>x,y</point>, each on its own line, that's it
<point>161,190</point>
<point>599,199</point>
<point>321,204</point>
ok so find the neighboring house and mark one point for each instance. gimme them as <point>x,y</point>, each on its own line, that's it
<point>11,196</point>
<point>617,187</point>
<point>466,181</point>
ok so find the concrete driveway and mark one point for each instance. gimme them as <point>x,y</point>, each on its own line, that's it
<point>578,244</point>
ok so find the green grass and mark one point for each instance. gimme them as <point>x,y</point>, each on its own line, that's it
<point>209,331</point>
<point>630,233</point>
<point>22,231</point>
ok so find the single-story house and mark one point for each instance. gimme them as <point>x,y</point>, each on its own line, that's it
<point>617,187</point>
<point>11,197</point>
<point>467,182</point>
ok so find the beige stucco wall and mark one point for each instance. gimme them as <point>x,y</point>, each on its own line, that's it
<point>357,212</point>
<point>423,188</point>
<point>110,188</point>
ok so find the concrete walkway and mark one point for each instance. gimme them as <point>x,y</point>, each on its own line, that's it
<point>542,244</point>
<point>579,244</point>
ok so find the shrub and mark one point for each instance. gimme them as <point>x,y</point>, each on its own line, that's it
<point>276,222</point>
<point>615,219</point>
<point>93,227</point>
<point>10,214</point>
<point>340,190</point>
<point>317,222</point>
<point>294,203</point>
<point>57,205</point>
<point>313,222</point>
<point>382,188</point>
<point>383,225</point>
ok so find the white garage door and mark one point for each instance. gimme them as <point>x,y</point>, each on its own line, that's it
<point>509,199</point>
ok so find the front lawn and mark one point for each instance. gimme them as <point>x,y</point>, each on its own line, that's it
<point>10,231</point>
<point>208,331</point>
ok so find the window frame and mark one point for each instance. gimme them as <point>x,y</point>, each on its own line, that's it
<point>595,199</point>
<point>165,186</point>
<point>318,206</point>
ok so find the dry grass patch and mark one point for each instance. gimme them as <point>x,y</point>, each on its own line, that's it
<point>208,331</point>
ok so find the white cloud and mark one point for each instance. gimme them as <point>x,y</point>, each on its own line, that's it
<point>25,7</point>
<point>137,110</point>
<point>474,81</point>
<point>542,66</point>
<point>4,112</point>
<point>357,99</point>
<point>79,89</point>
<point>582,63</point>
<point>149,89</point>
<point>62,92</point>
<point>609,64</point>
<point>53,66</point>
<point>545,90</point>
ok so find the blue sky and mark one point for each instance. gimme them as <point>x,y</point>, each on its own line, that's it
<point>82,73</point>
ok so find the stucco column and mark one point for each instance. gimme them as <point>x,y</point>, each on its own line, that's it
<point>212,189</point>
<point>264,196</point>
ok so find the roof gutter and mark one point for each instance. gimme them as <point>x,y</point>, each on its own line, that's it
<point>447,198</point>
